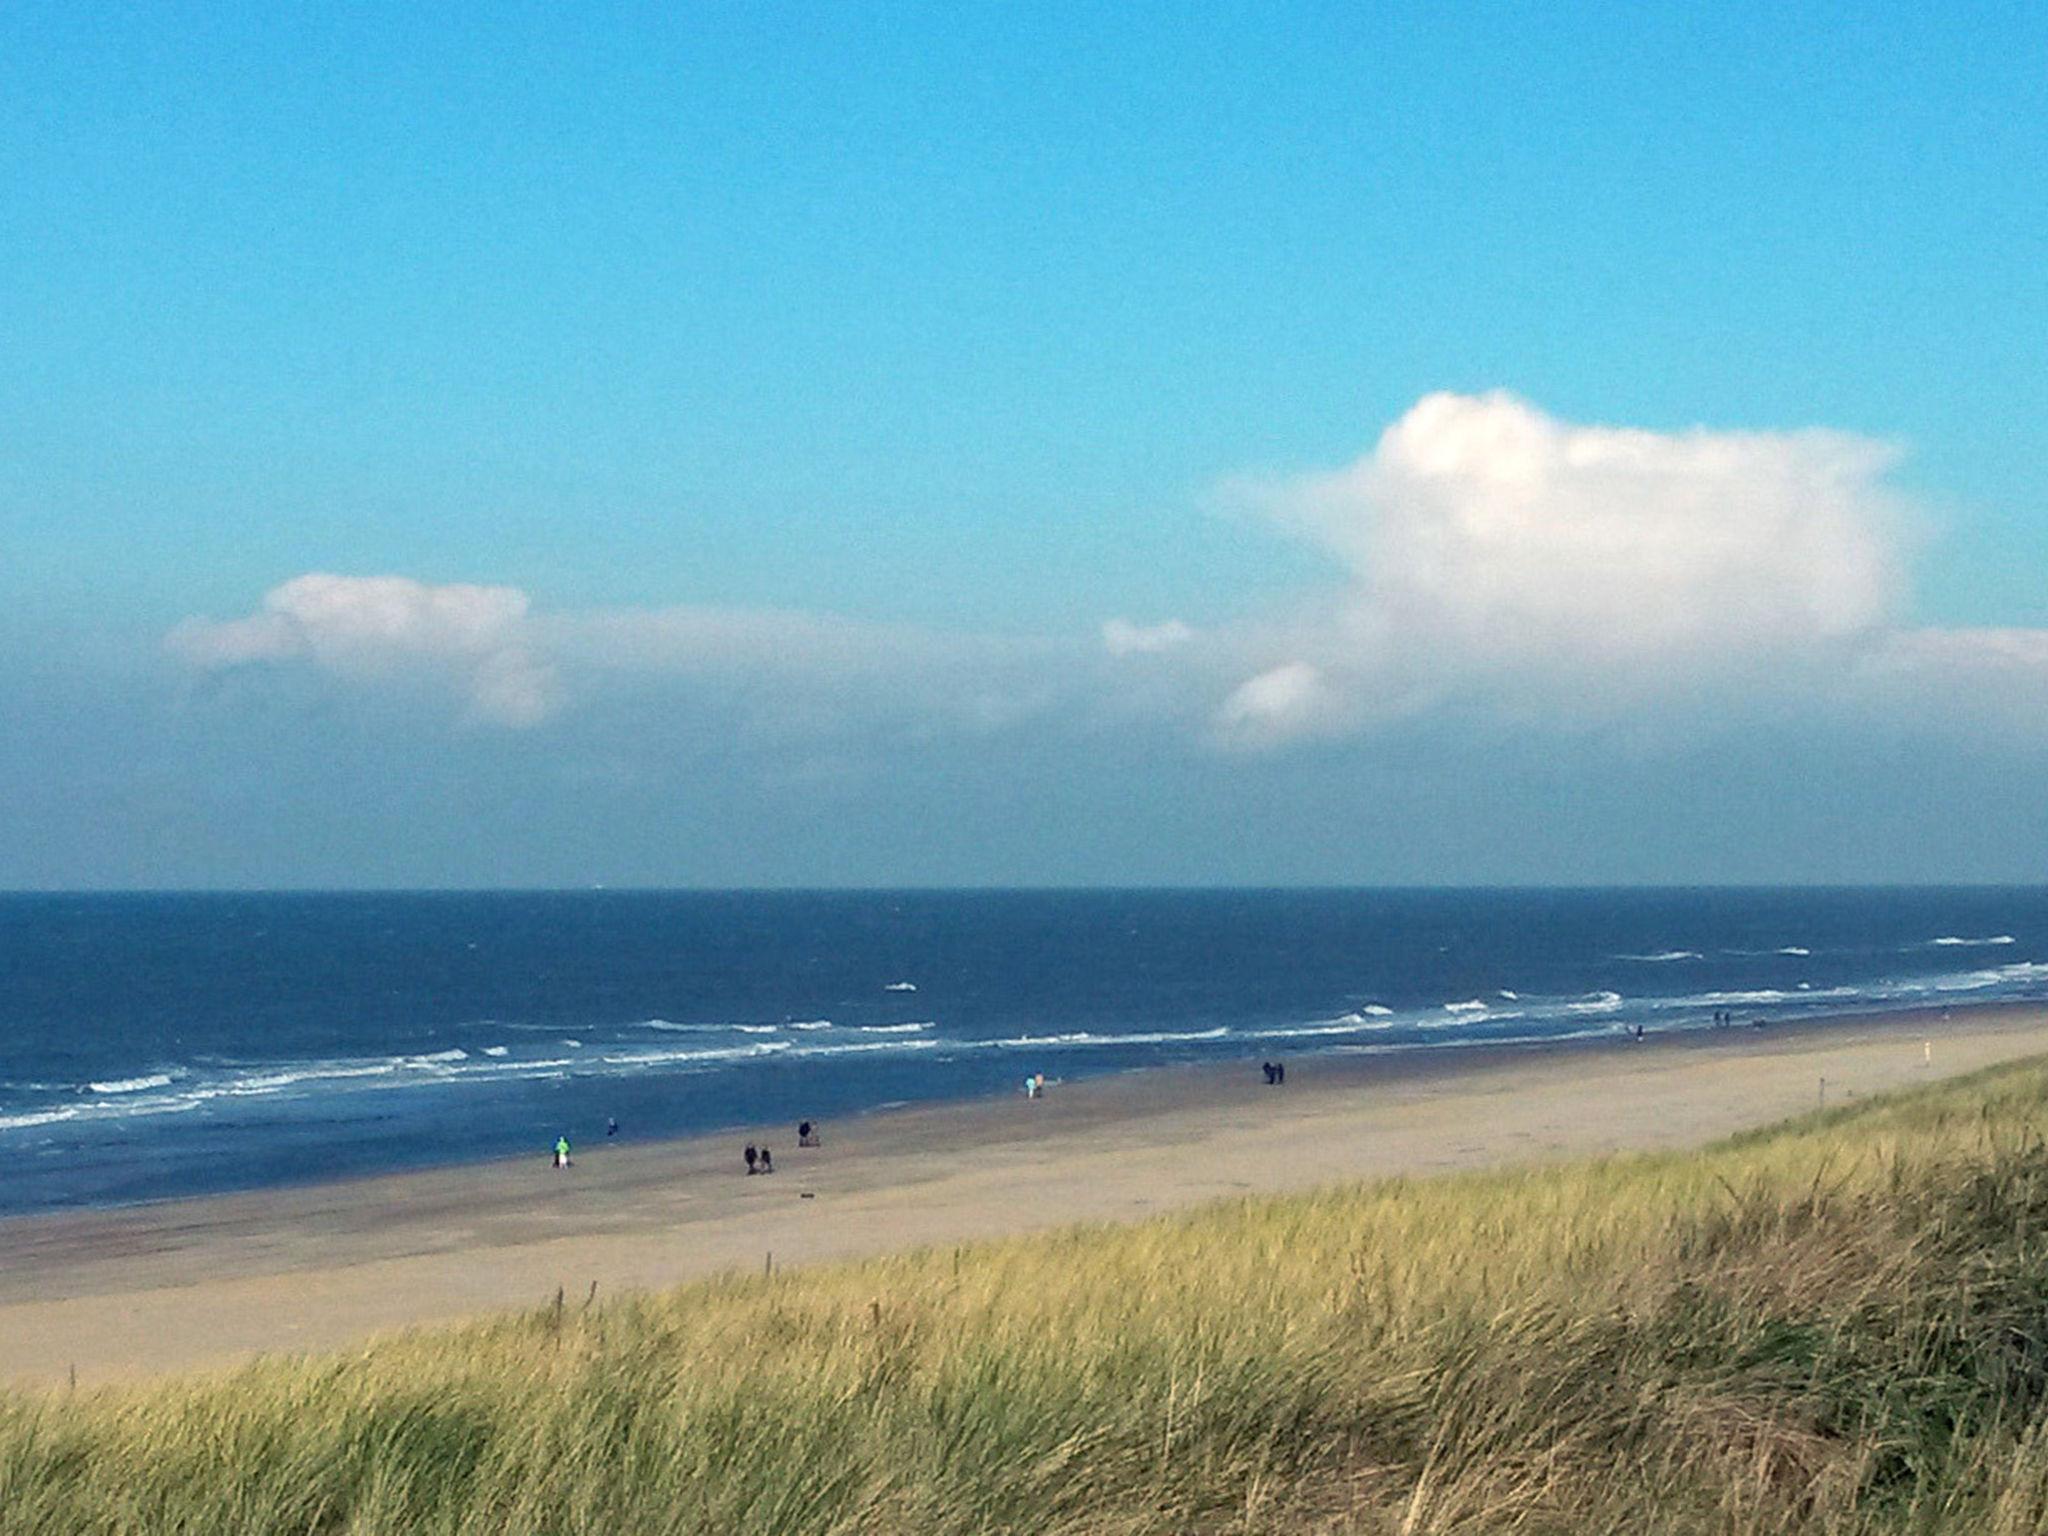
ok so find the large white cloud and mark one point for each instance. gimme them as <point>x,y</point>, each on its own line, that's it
<point>1490,548</point>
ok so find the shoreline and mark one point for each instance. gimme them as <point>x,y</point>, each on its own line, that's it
<point>209,1280</point>
<point>1343,1058</point>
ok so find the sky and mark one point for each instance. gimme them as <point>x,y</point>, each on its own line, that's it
<point>815,445</point>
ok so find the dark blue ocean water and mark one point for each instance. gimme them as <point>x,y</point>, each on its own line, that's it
<point>161,1045</point>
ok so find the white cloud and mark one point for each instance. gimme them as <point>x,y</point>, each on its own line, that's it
<point>1120,637</point>
<point>1282,704</point>
<point>1493,549</point>
<point>1491,560</point>
<point>809,675</point>
<point>368,628</point>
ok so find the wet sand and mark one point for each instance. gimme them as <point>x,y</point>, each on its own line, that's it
<point>209,1282</point>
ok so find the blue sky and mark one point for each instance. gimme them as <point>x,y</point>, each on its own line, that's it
<point>960,331</point>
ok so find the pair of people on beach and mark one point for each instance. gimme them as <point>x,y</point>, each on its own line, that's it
<point>1276,1072</point>
<point>759,1159</point>
<point>1034,1086</point>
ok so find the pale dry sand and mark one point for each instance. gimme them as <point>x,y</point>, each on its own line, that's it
<point>211,1281</point>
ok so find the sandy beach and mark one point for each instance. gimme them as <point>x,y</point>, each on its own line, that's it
<point>208,1282</point>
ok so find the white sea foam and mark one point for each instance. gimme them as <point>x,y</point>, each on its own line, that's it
<point>894,1029</point>
<point>38,1117</point>
<point>1364,1018</point>
<point>497,1050</point>
<point>1473,1005</point>
<point>1350,1024</point>
<point>900,986</point>
<point>1598,1002</point>
<point>1663,957</point>
<point>1088,1037</point>
<point>1951,941</point>
<point>811,1024</point>
<point>1513,997</point>
<point>132,1084</point>
<point>1794,949</point>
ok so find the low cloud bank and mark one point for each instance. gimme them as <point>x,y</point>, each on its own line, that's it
<point>1490,558</point>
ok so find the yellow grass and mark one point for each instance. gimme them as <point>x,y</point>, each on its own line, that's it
<point>1840,1325</point>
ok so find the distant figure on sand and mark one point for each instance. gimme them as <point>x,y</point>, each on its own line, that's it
<point>1280,1073</point>
<point>807,1135</point>
<point>1034,1085</point>
<point>767,1161</point>
<point>611,1126</point>
<point>561,1151</point>
<point>1267,1068</point>
<point>751,1156</point>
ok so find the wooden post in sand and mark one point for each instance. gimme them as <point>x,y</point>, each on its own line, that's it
<point>1823,1093</point>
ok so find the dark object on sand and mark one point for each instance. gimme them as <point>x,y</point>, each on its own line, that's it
<point>1267,1068</point>
<point>751,1156</point>
<point>767,1162</point>
<point>807,1135</point>
<point>611,1126</point>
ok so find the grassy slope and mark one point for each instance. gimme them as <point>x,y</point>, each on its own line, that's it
<point>1840,1325</point>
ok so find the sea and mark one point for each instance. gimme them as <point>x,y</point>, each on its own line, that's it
<point>154,1046</point>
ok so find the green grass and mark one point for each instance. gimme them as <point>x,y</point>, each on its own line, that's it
<point>1840,1325</point>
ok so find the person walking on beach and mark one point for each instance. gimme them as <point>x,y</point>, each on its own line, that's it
<point>561,1151</point>
<point>752,1155</point>
<point>767,1161</point>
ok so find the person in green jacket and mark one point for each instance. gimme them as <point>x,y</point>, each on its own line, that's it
<point>561,1151</point>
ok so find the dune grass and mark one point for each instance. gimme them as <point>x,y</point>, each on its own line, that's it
<point>1840,1325</point>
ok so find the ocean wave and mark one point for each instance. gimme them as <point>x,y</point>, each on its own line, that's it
<point>131,1084</point>
<point>1472,1005</point>
<point>1465,1018</point>
<point>1793,949</point>
<point>708,1053</point>
<point>900,986</point>
<point>1086,1037</point>
<point>1951,941</point>
<point>1663,957</point>
<point>1597,1002</point>
<point>1350,1024</point>
<point>497,1050</point>
<point>894,1029</point>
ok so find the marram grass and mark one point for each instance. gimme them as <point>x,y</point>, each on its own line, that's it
<point>1840,1325</point>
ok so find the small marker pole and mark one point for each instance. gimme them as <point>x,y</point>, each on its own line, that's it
<point>1926,1053</point>
<point>1823,1093</point>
